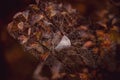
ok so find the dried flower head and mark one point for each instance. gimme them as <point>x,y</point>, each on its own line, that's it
<point>55,34</point>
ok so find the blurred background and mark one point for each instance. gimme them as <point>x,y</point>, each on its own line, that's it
<point>15,64</point>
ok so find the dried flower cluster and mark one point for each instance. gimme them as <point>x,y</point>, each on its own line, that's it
<point>64,42</point>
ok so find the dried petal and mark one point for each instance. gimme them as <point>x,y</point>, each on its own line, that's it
<point>25,14</point>
<point>64,43</point>
<point>17,14</point>
<point>70,9</point>
<point>47,23</point>
<point>100,32</point>
<point>23,39</point>
<point>29,31</point>
<point>21,25</point>
<point>10,25</point>
<point>36,18</point>
<point>88,44</point>
<point>39,49</point>
<point>53,13</point>
<point>85,28</point>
